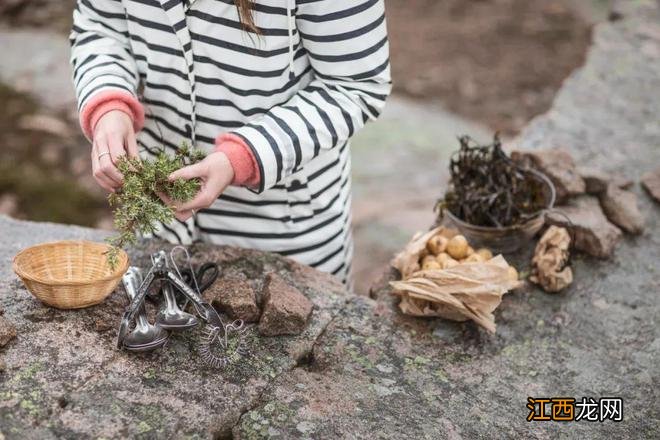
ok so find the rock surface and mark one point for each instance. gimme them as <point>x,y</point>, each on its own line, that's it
<point>593,233</point>
<point>376,374</point>
<point>361,370</point>
<point>64,378</point>
<point>651,183</point>
<point>233,294</point>
<point>285,309</point>
<point>620,207</point>
<point>558,165</point>
<point>7,331</point>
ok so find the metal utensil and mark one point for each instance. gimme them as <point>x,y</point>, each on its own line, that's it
<point>170,316</point>
<point>201,279</point>
<point>221,343</point>
<point>137,302</point>
<point>145,336</point>
<point>204,309</point>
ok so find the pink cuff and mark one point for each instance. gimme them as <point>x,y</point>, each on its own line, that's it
<point>246,170</point>
<point>107,101</point>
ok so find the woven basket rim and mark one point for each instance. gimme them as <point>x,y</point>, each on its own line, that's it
<point>119,270</point>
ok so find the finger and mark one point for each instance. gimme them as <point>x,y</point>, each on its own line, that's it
<point>105,165</point>
<point>202,200</point>
<point>131,146</point>
<point>108,161</point>
<point>110,171</point>
<point>117,148</point>
<point>189,172</point>
<point>164,197</point>
<point>98,174</point>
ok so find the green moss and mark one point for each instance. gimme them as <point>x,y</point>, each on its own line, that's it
<point>440,374</point>
<point>358,358</point>
<point>29,406</point>
<point>143,427</point>
<point>370,340</point>
<point>8,395</point>
<point>149,374</point>
<point>27,373</point>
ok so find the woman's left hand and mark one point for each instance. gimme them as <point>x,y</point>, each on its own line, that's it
<point>215,172</point>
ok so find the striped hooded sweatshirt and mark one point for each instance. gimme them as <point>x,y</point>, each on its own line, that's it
<point>282,104</point>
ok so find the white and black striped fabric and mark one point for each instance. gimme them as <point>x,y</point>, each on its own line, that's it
<point>296,94</point>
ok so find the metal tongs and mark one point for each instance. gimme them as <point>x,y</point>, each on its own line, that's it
<point>161,271</point>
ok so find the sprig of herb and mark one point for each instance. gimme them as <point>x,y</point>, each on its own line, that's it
<point>137,208</point>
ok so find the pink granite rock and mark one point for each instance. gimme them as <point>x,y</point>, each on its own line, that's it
<point>233,294</point>
<point>620,207</point>
<point>651,183</point>
<point>285,309</point>
<point>593,233</point>
<point>558,165</point>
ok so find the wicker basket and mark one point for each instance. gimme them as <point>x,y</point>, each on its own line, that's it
<point>69,274</point>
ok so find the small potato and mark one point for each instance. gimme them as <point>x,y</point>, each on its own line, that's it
<point>430,265</point>
<point>486,254</point>
<point>457,247</point>
<point>470,251</point>
<point>474,258</point>
<point>446,261</point>
<point>513,273</point>
<point>428,259</point>
<point>437,244</point>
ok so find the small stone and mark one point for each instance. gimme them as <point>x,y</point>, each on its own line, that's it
<point>621,208</point>
<point>234,295</point>
<point>7,331</point>
<point>593,233</point>
<point>651,183</point>
<point>558,165</point>
<point>286,310</point>
<point>597,181</point>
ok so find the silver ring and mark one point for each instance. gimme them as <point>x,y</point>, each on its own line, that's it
<point>103,154</point>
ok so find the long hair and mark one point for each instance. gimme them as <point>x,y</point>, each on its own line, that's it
<point>246,15</point>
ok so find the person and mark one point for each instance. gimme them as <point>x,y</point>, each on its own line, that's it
<point>272,90</point>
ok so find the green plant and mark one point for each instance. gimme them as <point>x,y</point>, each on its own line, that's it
<point>137,208</point>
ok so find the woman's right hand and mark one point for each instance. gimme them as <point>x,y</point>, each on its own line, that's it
<point>114,137</point>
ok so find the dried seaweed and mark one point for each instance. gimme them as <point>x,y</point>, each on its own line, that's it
<point>488,189</point>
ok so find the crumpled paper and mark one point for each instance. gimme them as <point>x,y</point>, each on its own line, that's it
<point>466,291</point>
<point>549,269</point>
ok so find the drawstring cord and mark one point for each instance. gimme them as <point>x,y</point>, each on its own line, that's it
<point>289,7</point>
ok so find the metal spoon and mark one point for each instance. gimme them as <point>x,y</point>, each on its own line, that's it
<point>170,316</point>
<point>145,336</point>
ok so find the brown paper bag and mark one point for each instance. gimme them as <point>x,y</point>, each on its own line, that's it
<point>467,291</point>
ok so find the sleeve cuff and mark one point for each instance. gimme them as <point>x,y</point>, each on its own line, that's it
<point>246,171</point>
<point>107,101</point>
